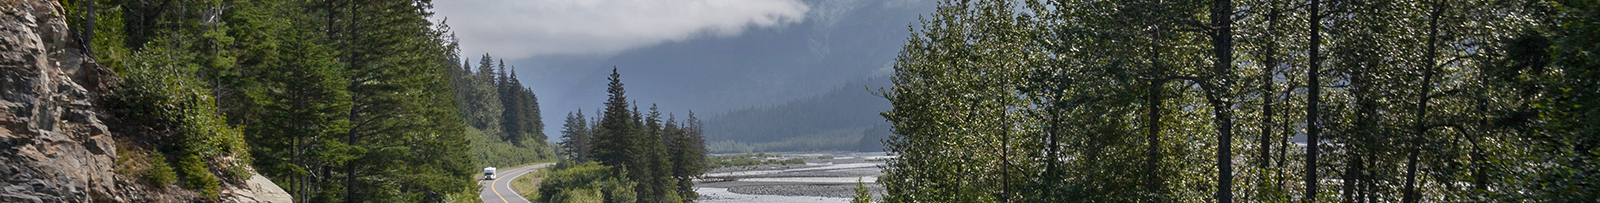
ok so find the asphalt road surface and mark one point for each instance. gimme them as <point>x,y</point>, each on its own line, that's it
<point>499,189</point>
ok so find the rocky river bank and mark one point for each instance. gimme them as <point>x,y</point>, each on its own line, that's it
<point>825,177</point>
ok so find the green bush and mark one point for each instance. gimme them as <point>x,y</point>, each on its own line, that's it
<point>159,175</point>
<point>862,194</point>
<point>527,185</point>
<point>584,182</point>
<point>487,152</point>
<point>179,116</point>
<point>583,195</point>
<point>196,176</point>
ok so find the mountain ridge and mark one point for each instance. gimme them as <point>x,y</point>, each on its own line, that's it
<point>845,118</point>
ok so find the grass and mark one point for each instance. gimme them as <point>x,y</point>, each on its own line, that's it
<point>527,185</point>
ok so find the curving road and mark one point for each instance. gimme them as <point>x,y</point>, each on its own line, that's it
<point>499,189</point>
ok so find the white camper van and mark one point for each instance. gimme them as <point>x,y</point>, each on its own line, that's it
<point>488,173</point>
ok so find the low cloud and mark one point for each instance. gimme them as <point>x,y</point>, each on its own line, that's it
<point>515,29</point>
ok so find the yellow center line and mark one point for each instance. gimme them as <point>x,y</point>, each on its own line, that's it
<point>497,190</point>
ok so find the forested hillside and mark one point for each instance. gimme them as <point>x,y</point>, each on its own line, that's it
<point>841,119</point>
<point>502,115</point>
<point>1197,101</point>
<point>335,101</point>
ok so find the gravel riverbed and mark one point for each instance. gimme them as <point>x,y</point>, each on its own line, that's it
<point>819,180</point>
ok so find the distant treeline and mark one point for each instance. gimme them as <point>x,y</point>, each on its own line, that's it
<point>842,119</point>
<point>627,155</point>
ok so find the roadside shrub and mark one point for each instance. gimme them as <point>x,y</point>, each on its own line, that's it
<point>196,176</point>
<point>584,182</point>
<point>487,152</point>
<point>159,175</point>
<point>580,195</point>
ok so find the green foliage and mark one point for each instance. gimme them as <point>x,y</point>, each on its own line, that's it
<point>521,119</point>
<point>494,153</point>
<point>527,185</point>
<point>478,98</point>
<point>196,176</point>
<point>294,96</point>
<point>1141,101</point>
<point>862,194</point>
<point>354,111</point>
<point>585,182</point>
<point>1567,101</point>
<point>502,115</point>
<point>661,158</point>
<point>687,154</point>
<point>576,139</point>
<point>178,116</point>
<point>616,135</point>
<point>159,174</point>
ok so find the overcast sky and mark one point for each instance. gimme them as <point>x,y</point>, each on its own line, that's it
<point>516,29</point>
<point>709,56</point>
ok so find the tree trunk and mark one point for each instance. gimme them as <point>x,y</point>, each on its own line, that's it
<point>1421,128</point>
<point>88,26</point>
<point>1480,179</point>
<point>1352,165</point>
<point>1269,68</point>
<point>1221,77</point>
<point>1314,98</point>
<point>1153,107</point>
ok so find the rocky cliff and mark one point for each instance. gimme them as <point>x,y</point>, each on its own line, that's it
<point>54,146</point>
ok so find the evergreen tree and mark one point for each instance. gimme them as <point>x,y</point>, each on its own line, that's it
<point>523,112</point>
<point>484,110</point>
<point>613,135</point>
<point>634,144</point>
<point>575,138</point>
<point>655,173</point>
<point>297,98</point>
<point>401,121</point>
<point>688,162</point>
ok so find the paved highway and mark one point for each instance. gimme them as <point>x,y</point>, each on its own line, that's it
<point>499,189</point>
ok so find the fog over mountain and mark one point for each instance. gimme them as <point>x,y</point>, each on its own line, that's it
<point>770,62</point>
<point>845,118</point>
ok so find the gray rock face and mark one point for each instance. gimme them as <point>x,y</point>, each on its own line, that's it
<point>53,145</point>
<point>257,189</point>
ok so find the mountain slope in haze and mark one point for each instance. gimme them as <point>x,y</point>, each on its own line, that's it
<point>843,119</point>
<point>839,41</point>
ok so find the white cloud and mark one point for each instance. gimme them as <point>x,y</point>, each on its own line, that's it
<point>515,29</point>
